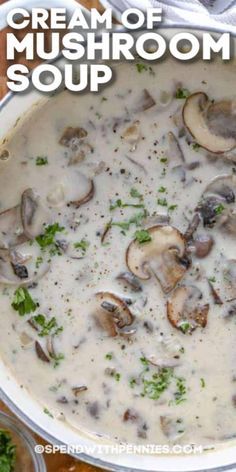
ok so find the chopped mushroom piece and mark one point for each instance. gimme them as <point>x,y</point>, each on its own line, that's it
<point>40,353</point>
<point>164,257</point>
<point>113,314</point>
<point>146,102</point>
<point>34,215</point>
<point>72,136</point>
<point>20,274</point>
<point>77,390</point>
<point>207,122</point>
<point>132,135</point>
<point>86,198</point>
<point>185,309</point>
<point>11,229</point>
<point>218,203</point>
<point>175,151</point>
<point>172,428</point>
<point>201,245</point>
<point>229,278</point>
<point>130,279</point>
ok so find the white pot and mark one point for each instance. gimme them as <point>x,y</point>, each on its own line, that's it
<point>26,408</point>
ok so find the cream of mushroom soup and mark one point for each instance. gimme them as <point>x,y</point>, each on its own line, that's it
<point>117,255</point>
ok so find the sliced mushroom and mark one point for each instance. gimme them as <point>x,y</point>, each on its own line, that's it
<point>113,314</point>
<point>146,102</point>
<point>201,245</point>
<point>130,279</point>
<point>185,309</point>
<point>173,428</point>
<point>132,135</point>
<point>162,363</point>
<point>84,149</point>
<point>215,295</point>
<point>34,215</point>
<point>11,229</point>
<point>229,278</point>
<point>192,227</point>
<point>77,390</point>
<point>40,353</point>
<point>71,137</point>
<point>163,257</point>
<point>218,203</point>
<point>175,152</point>
<point>207,123</point>
<point>86,197</point>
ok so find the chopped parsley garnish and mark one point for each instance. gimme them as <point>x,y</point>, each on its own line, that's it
<point>132,383</point>
<point>47,412</point>
<point>181,390</point>
<point>141,67</point>
<point>182,93</point>
<point>119,204</point>
<point>163,160</point>
<point>185,326</point>
<point>38,262</point>
<point>219,209</point>
<point>144,361</point>
<point>212,279</point>
<point>160,382</point>
<point>142,236</point>
<point>172,207</point>
<point>134,193</point>
<point>83,245</point>
<point>195,146</point>
<point>162,189</point>
<point>47,239</point>
<point>203,383</point>
<point>134,220</point>
<point>57,359</point>
<point>7,452</point>
<point>162,202</point>
<point>23,302</point>
<point>48,326</point>
<point>117,376</point>
<point>109,356</point>
<point>41,161</point>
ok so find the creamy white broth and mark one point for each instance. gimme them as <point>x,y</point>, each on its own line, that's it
<point>114,403</point>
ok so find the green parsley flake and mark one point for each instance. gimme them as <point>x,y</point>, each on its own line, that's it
<point>83,245</point>
<point>141,67</point>
<point>219,209</point>
<point>7,452</point>
<point>48,326</point>
<point>134,193</point>
<point>47,239</point>
<point>143,236</point>
<point>160,382</point>
<point>162,190</point>
<point>109,356</point>
<point>162,202</point>
<point>23,302</point>
<point>182,93</point>
<point>203,383</point>
<point>120,204</point>
<point>41,161</point>
<point>181,390</point>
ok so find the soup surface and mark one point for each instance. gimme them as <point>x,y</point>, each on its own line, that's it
<point>118,269</point>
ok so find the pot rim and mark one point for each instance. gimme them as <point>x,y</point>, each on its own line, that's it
<point>90,459</point>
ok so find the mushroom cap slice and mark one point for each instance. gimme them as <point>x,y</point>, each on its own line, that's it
<point>185,309</point>
<point>164,257</point>
<point>113,314</point>
<point>198,114</point>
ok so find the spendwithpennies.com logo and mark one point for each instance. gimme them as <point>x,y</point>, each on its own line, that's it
<point>120,449</point>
